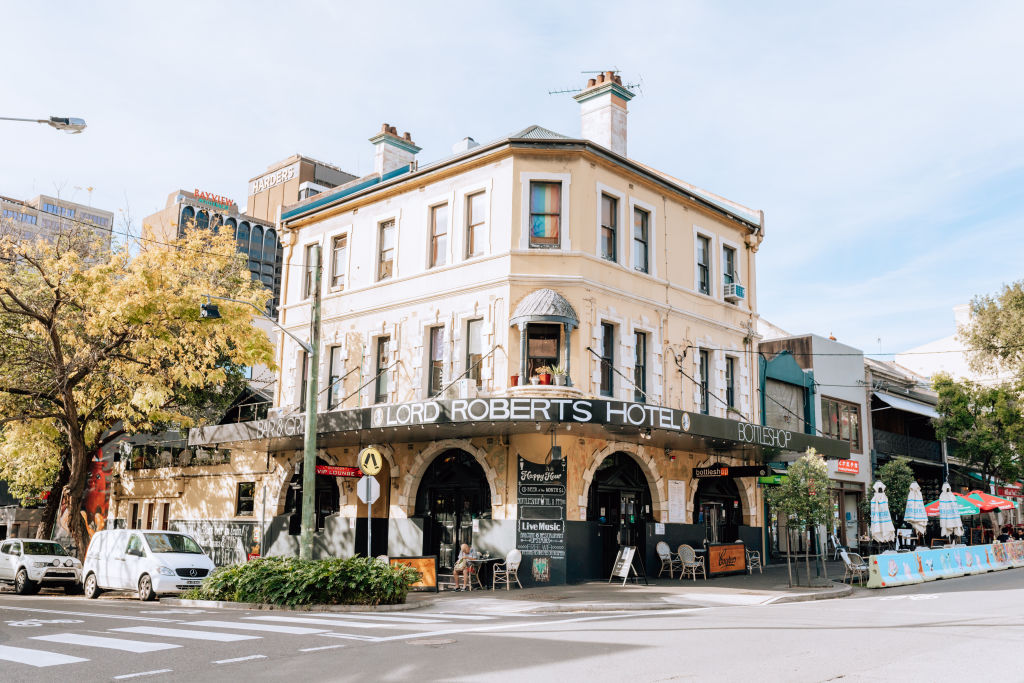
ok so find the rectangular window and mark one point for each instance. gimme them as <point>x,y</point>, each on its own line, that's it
<point>438,235</point>
<point>135,516</point>
<point>609,226</point>
<point>641,220</point>
<point>335,387</point>
<point>841,421</point>
<point>386,255</point>
<point>640,368</point>
<point>165,518</point>
<point>474,349</point>
<point>729,265</point>
<point>380,392</point>
<point>607,359</point>
<point>339,257</point>
<point>703,264</point>
<point>309,274</point>
<point>304,380</point>
<point>542,346</point>
<point>435,366</point>
<point>705,387</point>
<point>545,214</point>
<point>730,381</point>
<point>244,503</point>
<point>476,224</point>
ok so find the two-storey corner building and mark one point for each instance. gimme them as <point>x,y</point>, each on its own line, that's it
<point>452,292</point>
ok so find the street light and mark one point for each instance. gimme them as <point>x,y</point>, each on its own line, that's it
<point>209,311</point>
<point>68,124</point>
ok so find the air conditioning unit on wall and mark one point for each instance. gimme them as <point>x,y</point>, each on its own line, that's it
<point>734,292</point>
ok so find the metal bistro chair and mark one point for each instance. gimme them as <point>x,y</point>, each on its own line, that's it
<point>691,563</point>
<point>508,571</point>
<point>856,567</point>
<point>668,560</point>
<point>753,559</point>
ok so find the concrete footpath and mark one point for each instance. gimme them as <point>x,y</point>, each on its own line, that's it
<point>768,588</point>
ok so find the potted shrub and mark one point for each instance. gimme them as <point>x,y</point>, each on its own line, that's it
<point>535,380</point>
<point>544,373</point>
<point>558,375</point>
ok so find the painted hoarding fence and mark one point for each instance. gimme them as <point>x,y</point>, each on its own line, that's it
<point>901,569</point>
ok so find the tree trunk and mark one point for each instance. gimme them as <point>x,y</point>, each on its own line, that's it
<point>45,530</point>
<point>807,557</point>
<point>789,561</point>
<point>78,477</point>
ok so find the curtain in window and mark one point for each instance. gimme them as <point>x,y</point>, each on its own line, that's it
<point>545,205</point>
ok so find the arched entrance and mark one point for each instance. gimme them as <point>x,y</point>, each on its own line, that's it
<point>326,500</point>
<point>620,502</point>
<point>452,493</point>
<point>717,505</point>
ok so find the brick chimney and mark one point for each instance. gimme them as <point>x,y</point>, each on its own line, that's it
<point>392,151</point>
<point>603,111</point>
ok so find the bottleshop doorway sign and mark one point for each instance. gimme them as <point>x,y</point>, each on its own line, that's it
<point>540,527</point>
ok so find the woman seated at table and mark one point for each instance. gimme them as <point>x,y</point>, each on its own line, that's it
<point>463,567</point>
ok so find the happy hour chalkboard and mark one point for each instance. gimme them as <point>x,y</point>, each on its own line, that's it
<point>540,529</point>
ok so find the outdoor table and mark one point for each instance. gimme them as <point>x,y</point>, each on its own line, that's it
<point>479,564</point>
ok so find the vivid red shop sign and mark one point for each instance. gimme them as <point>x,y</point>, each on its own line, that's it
<point>332,471</point>
<point>848,466</point>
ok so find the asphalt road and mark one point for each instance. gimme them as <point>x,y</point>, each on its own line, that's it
<point>928,632</point>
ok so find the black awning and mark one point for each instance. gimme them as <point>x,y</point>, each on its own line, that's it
<point>658,426</point>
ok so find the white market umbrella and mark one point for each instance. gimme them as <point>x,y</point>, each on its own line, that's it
<point>882,529</point>
<point>950,523</point>
<point>915,514</point>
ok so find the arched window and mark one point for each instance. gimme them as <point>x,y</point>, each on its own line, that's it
<point>242,236</point>
<point>188,218</point>
<point>231,224</point>
<point>203,220</point>
<point>256,243</point>
<point>269,246</point>
<point>216,222</point>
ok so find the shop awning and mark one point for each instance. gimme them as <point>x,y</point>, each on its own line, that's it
<point>907,405</point>
<point>653,426</point>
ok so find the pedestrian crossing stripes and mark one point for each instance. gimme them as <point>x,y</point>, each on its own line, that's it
<point>110,643</point>
<point>37,658</point>
<point>269,628</point>
<point>183,633</point>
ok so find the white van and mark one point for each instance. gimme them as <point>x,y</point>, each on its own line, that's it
<point>148,561</point>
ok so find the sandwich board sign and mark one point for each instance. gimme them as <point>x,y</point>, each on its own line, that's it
<point>624,563</point>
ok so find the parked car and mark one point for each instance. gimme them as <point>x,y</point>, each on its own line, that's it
<point>29,564</point>
<point>149,562</point>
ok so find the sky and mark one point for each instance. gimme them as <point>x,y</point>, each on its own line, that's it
<point>884,141</point>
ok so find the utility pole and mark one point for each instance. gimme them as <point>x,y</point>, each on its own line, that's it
<point>309,446</point>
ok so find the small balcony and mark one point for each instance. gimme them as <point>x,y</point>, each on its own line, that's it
<point>144,457</point>
<point>890,443</point>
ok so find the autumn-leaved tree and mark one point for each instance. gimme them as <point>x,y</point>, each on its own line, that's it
<point>96,343</point>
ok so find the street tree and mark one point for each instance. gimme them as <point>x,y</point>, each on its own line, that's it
<point>803,501</point>
<point>995,334</point>
<point>99,343</point>
<point>897,477</point>
<point>984,424</point>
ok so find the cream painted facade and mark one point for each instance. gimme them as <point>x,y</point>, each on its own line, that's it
<point>45,216</point>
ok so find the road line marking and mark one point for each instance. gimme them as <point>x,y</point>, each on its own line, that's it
<point>381,617</point>
<point>154,672</point>
<point>239,659</point>
<point>186,633</point>
<point>109,643</point>
<point>323,622</point>
<point>467,617</point>
<point>89,614</point>
<point>272,628</point>
<point>322,647</point>
<point>351,636</point>
<point>36,658</point>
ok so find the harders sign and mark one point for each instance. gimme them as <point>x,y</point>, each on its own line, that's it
<point>848,466</point>
<point>332,471</point>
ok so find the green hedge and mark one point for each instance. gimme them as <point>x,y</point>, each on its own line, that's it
<point>291,581</point>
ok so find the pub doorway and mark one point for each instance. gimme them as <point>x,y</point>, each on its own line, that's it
<point>452,494</point>
<point>718,507</point>
<point>621,502</point>
<point>326,499</point>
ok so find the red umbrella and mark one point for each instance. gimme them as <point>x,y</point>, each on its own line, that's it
<point>965,506</point>
<point>986,502</point>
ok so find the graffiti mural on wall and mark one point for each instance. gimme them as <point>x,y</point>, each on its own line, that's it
<point>95,502</point>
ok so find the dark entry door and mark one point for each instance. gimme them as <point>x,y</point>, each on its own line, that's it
<point>621,504</point>
<point>452,494</point>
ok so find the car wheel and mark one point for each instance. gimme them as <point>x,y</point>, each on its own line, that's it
<point>92,589</point>
<point>73,588</point>
<point>146,588</point>
<point>23,585</point>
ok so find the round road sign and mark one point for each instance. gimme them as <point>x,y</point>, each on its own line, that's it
<point>370,461</point>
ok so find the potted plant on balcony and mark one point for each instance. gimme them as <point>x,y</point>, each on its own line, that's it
<point>513,381</point>
<point>544,373</point>
<point>558,375</point>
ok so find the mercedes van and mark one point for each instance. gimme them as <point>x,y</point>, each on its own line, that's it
<point>149,562</point>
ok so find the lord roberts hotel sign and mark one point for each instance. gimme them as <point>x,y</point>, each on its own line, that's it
<point>623,416</point>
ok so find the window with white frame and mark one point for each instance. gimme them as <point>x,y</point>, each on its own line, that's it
<point>545,214</point>
<point>703,264</point>
<point>607,359</point>
<point>335,386</point>
<point>704,375</point>
<point>640,368</point>
<point>728,265</point>
<point>474,350</point>
<point>438,235</point>
<point>730,381</point>
<point>309,274</point>
<point>609,226</point>
<point>435,361</point>
<point>476,224</point>
<point>381,384</point>
<point>339,258</point>
<point>386,253</point>
<point>641,239</point>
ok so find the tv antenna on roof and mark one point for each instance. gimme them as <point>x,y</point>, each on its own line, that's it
<point>637,86</point>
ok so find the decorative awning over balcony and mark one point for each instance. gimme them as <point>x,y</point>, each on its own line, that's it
<point>907,405</point>
<point>545,306</point>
